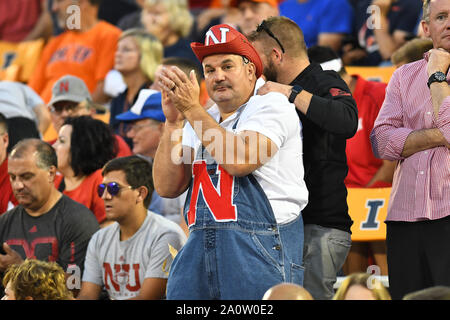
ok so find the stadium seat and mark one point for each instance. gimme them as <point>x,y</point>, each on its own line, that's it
<point>368,209</point>
<point>18,60</point>
<point>380,74</point>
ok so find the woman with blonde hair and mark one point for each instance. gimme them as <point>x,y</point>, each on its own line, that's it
<point>35,280</point>
<point>171,22</point>
<point>138,55</point>
<point>362,286</point>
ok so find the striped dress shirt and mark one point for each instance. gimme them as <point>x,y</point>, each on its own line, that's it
<point>421,185</point>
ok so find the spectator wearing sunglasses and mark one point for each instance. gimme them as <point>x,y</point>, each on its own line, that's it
<point>83,147</point>
<point>329,117</point>
<point>131,258</point>
<point>46,225</point>
<point>71,98</point>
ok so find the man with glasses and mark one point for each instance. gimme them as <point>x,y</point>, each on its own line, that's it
<point>45,225</point>
<point>71,98</point>
<point>145,127</point>
<point>329,116</point>
<point>131,258</point>
<point>145,121</point>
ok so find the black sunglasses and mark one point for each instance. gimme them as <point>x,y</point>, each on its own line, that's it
<point>263,27</point>
<point>70,107</point>
<point>112,187</point>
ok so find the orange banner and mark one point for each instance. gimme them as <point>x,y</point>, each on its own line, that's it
<point>368,210</point>
<point>381,74</point>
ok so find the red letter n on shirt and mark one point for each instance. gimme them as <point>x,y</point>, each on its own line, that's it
<point>219,200</point>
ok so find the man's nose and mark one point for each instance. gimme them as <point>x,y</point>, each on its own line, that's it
<point>65,113</point>
<point>247,13</point>
<point>17,184</point>
<point>219,75</point>
<point>130,133</point>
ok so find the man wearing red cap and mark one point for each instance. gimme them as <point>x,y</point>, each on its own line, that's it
<point>242,162</point>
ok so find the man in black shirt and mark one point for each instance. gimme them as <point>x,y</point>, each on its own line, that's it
<point>329,116</point>
<point>46,225</point>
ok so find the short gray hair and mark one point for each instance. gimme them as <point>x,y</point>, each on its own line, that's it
<point>45,154</point>
<point>426,10</point>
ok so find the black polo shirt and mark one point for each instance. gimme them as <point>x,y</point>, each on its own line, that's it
<point>332,118</point>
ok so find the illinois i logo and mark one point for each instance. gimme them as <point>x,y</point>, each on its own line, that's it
<point>374,206</point>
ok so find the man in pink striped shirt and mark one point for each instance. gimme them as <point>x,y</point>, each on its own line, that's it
<point>413,126</point>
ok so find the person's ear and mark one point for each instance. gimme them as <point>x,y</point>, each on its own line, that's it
<point>251,70</point>
<point>6,139</point>
<point>143,192</point>
<point>52,174</point>
<point>425,28</point>
<point>276,54</point>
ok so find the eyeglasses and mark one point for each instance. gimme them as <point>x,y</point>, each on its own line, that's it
<point>137,127</point>
<point>263,27</point>
<point>112,187</point>
<point>60,108</point>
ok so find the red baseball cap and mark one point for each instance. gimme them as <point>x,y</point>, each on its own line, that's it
<point>273,3</point>
<point>223,38</point>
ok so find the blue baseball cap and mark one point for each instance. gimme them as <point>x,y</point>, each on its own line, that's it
<point>147,106</point>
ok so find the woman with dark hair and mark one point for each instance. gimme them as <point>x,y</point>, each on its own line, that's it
<point>83,147</point>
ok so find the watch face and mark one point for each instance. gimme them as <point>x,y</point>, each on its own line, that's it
<point>440,76</point>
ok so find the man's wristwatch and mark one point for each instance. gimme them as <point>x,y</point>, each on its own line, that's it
<point>436,77</point>
<point>294,92</point>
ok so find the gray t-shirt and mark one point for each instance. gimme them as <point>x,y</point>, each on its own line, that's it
<point>122,266</point>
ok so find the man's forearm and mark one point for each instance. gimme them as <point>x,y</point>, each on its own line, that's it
<point>169,168</point>
<point>236,153</point>
<point>421,140</point>
<point>384,174</point>
<point>439,91</point>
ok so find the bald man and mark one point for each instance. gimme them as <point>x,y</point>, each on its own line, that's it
<point>287,291</point>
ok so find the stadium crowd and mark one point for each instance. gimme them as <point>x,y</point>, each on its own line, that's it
<point>118,179</point>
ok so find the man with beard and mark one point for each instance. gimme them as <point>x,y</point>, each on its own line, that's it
<point>329,116</point>
<point>46,225</point>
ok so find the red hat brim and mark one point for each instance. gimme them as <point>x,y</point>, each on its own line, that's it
<point>239,46</point>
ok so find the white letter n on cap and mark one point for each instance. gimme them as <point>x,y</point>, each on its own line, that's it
<point>223,36</point>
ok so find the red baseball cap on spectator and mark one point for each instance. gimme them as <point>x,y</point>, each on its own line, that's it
<point>273,3</point>
<point>223,38</point>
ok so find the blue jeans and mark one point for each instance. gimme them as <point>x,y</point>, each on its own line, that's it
<point>237,258</point>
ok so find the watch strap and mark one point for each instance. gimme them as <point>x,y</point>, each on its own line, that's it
<point>436,77</point>
<point>294,92</point>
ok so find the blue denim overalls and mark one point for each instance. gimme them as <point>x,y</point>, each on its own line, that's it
<point>239,255</point>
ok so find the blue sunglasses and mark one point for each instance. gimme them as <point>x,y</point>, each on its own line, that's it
<point>112,187</point>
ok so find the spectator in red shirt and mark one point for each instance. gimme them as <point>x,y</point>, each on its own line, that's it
<point>24,20</point>
<point>7,199</point>
<point>83,147</point>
